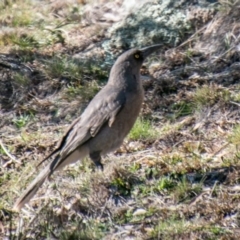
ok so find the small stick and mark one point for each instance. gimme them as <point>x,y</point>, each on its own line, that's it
<point>13,159</point>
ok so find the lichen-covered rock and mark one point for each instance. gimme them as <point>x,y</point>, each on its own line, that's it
<point>105,13</point>
<point>127,24</point>
<point>167,21</point>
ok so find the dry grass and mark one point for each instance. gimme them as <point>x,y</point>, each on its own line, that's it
<point>177,175</point>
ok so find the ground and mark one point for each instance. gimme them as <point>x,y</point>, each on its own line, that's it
<point>176,175</point>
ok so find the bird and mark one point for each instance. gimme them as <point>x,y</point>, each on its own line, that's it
<point>104,123</point>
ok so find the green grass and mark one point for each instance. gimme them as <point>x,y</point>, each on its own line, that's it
<point>21,80</point>
<point>17,17</point>
<point>170,227</point>
<point>123,181</point>
<point>59,67</point>
<point>174,226</point>
<point>165,183</point>
<point>208,95</point>
<point>21,121</point>
<point>25,41</point>
<point>25,14</point>
<point>172,159</point>
<point>234,136</point>
<point>86,91</point>
<point>74,71</point>
<point>236,97</point>
<point>7,38</point>
<point>182,109</point>
<point>142,130</point>
<point>90,230</point>
<point>185,191</point>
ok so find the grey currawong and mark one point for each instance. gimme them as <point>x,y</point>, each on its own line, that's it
<point>105,122</point>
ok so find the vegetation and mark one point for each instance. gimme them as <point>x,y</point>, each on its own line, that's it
<point>176,175</point>
<point>142,130</point>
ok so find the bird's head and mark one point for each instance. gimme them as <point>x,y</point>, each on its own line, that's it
<point>135,57</point>
<point>126,69</point>
<point>132,60</point>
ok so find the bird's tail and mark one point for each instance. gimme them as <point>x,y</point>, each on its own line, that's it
<point>57,164</point>
<point>33,188</point>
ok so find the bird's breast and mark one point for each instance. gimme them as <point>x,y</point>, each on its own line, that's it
<point>128,114</point>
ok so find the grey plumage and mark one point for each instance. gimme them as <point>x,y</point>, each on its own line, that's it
<point>105,122</point>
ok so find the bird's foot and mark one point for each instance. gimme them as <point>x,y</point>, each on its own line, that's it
<point>99,165</point>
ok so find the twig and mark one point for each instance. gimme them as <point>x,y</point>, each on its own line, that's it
<point>13,159</point>
<point>192,37</point>
<point>222,55</point>
<point>219,150</point>
<point>235,103</point>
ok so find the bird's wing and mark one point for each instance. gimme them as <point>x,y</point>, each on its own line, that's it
<point>101,109</point>
<point>62,142</point>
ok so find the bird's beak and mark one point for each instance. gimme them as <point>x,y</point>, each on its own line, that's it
<point>149,50</point>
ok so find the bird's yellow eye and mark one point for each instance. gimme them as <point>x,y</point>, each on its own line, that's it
<point>136,56</point>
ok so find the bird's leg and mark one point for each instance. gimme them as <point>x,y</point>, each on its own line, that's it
<point>96,158</point>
